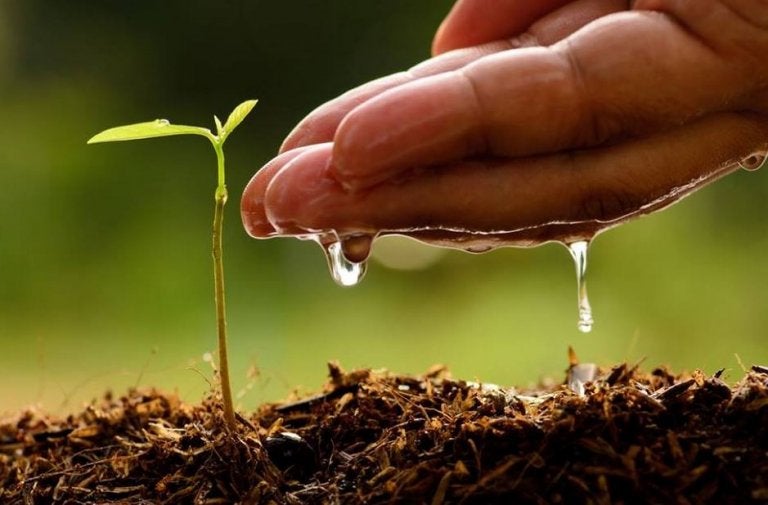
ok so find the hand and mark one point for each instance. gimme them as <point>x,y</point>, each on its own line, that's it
<point>533,122</point>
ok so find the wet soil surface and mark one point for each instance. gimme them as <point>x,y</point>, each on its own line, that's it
<point>614,435</point>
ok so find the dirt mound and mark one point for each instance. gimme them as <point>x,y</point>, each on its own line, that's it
<point>605,436</point>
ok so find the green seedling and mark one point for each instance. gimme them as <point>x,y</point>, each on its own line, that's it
<point>163,128</point>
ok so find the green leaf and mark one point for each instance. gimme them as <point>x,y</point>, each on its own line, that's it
<point>150,129</point>
<point>237,116</point>
<point>219,127</point>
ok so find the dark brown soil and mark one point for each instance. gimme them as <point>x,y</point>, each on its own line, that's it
<point>606,436</point>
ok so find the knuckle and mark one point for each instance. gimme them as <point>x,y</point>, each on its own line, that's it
<point>480,138</point>
<point>598,124</point>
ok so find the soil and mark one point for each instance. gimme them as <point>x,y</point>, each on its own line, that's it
<point>614,435</point>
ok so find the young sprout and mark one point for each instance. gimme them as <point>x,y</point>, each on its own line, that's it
<point>163,128</point>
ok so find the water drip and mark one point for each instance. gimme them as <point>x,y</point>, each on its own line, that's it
<point>357,248</point>
<point>343,271</point>
<point>578,251</point>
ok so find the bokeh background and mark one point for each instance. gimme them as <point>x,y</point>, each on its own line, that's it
<point>105,274</point>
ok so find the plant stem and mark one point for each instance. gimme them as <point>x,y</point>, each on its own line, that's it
<point>218,279</point>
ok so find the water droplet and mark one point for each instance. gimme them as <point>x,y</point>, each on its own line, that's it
<point>579,253</point>
<point>579,375</point>
<point>344,272</point>
<point>479,249</point>
<point>357,248</point>
<point>162,122</point>
<point>754,161</point>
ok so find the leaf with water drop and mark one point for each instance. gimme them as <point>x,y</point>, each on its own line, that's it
<point>237,115</point>
<point>150,129</point>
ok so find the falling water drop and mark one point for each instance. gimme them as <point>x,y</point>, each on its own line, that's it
<point>754,161</point>
<point>579,252</point>
<point>344,272</point>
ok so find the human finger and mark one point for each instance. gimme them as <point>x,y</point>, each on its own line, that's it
<point>252,202</point>
<point>321,124</point>
<point>474,22</point>
<point>629,73</point>
<point>539,198</point>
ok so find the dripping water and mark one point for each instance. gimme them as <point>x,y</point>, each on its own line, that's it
<point>344,272</point>
<point>578,251</point>
<point>347,258</point>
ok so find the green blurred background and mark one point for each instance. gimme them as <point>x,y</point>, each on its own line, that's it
<point>105,274</point>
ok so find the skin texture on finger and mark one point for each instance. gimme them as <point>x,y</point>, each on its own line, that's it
<point>571,17</point>
<point>743,40</point>
<point>626,74</point>
<point>320,125</point>
<point>752,11</point>
<point>474,22</point>
<point>580,191</point>
<point>252,202</point>
<point>756,11</point>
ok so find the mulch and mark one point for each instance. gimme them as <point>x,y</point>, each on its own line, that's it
<point>605,435</point>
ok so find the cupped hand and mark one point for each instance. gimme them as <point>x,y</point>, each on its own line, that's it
<point>535,120</point>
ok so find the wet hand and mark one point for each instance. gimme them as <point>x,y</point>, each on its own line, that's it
<point>542,121</point>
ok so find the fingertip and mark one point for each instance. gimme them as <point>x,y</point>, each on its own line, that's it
<point>423,123</point>
<point>295,196</point>
<point>252,210</point>
<point>475,22</point>
<point>293,139</point>
<point>446,35</point>
<point>439,44</point>
<point>320,125</point>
